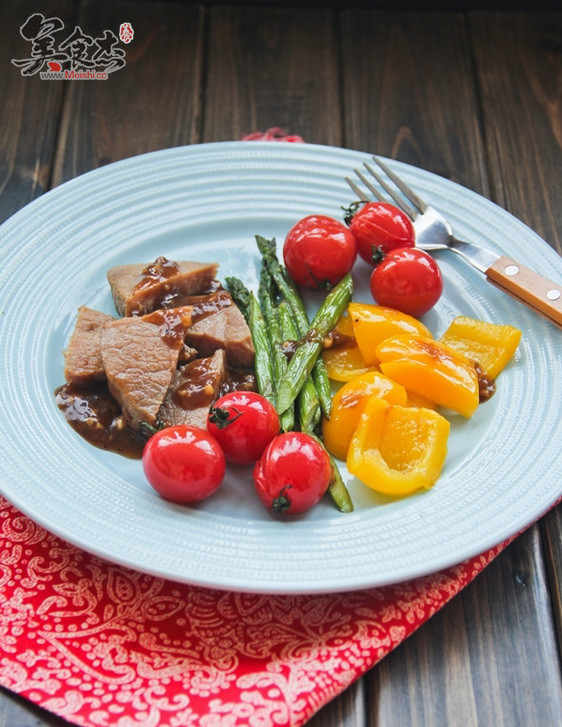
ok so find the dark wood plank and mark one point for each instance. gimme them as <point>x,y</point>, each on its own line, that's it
<point>151,103</point>
<point>551,529</point>
<point>30,110</point>
<point>272,67</point>
<point>408,92</point>
<point>18,712</point>
<point>519,63</point>
<point>346,710</point>
<point>476,662</point>
<point>481,660</point>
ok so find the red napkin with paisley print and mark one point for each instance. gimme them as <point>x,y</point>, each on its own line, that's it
<point>99,644</point>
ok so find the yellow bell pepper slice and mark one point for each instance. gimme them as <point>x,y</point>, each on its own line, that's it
<point>343,360</point>
<point>491,345</point>
<point>345,363</point>
<point>419,401</point>
<point>398,450</point>
<point>348,404</point>
<point>432,370</point>
<point>372,324</point>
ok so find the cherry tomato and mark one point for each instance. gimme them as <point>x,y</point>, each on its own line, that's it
<point>293,473</point>
<point>381,225</point>
<point>243,423</point>
<point>407,279</point>
<point>318,251</point>
<point>183,464</point>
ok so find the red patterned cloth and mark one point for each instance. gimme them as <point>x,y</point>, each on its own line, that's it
<point>105,646</point>
<point>275,133</point>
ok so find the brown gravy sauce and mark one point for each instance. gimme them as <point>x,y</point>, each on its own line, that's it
<point>95,415</point>
<point>486,385</point>
<point>203,305</point>
<point>157,272</point>
<point>172,324</point>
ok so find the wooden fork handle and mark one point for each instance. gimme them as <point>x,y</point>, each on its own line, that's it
<point>540,294</point>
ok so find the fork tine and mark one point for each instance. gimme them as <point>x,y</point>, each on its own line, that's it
<point>410,211</point>
<point>410,194</point>
<point>360,194</point>
<point>368,184</point>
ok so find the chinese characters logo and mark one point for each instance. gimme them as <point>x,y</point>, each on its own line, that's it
<point>56,56</point>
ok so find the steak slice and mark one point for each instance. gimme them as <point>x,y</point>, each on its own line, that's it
<point>140,356</point>
<point>139,288</point>
<point>82,358</point>
<point>238,345</point>
<point>226,329</point>
<point>194,388</point>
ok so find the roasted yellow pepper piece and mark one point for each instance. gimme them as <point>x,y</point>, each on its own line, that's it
<point>397,450</point>
<point>491,345</point>
<point>348,404</point>
<point>343,360</point>
<point>374,323</point>
<point>432,370</point>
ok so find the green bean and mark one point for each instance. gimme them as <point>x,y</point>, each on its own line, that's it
<point>289,292</point>
<point>310,345</point>
<point>279,361</point>
<point>249,306</point>
<point>337,489</point>
<point>308,404</point>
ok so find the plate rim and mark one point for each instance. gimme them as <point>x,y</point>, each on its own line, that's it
<point>275,149</point>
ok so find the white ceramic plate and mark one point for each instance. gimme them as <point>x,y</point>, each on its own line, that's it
<point>207,202</point>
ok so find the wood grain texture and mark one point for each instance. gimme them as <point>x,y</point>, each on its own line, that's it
<point>347,710</point>
<point>474,663</point>
<point>409,92</point>
<point>272,67</point>
<point>151,103</point>
<point>477,99</point>
<point>551,530</point>
<point>481,660</point>
<point>518,61</point>
<point>18,712</point>
<point>30,111</point>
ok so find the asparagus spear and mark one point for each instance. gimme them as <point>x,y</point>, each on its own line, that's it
<point>289,292</point>
<point>279,361</point>
<point>310,345</point>
<point>337,489</point>
<point>249,306</point>
<point>310,413</point>
<point>307,400</point>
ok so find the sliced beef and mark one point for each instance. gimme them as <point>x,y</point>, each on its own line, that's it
<point>208,334</point>
<point>238,345</point>
<point>194,388</point>
<point>140,356</point>
<point>224,329</point>
<point>82,358</point>
<point>139,288</point>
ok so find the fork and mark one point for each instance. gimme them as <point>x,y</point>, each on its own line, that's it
<point>433,232</point>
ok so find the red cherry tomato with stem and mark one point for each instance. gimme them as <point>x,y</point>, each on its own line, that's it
<point>293,473</point>
<point>183,464</point>
<point>318,251</point>
<point>243,423</point>
<point>379,225</point>
<point>407,279</point>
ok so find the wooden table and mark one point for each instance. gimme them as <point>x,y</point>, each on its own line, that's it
<point>473,96</point>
